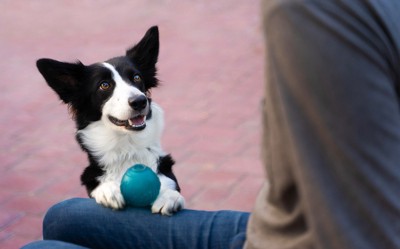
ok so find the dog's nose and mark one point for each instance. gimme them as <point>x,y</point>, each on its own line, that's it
<point>138,103</point>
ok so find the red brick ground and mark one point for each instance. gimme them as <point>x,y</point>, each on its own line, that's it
<point>211,69</point>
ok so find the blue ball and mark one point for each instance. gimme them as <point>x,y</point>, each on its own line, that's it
<point>140,186</point>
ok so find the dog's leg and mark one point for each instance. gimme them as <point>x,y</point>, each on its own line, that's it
<point>109,195</point>
<point>169,200</point>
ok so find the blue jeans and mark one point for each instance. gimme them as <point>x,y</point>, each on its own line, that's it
<point>81,223</point>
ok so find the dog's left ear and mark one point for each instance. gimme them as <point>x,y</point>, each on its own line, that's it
<point>144,55</point>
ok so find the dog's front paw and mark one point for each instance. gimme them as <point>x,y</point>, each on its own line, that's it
<point>168,202</point>
<point>109,195</point>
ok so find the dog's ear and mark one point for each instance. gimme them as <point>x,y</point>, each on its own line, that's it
<point>63,77</point>
<point>145,54</point>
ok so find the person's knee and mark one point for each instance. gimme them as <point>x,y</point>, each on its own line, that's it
<point>61,217</point>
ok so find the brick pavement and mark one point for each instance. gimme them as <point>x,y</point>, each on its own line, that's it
<point>211,70</point>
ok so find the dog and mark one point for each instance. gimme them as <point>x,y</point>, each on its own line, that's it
<point>118,125</point>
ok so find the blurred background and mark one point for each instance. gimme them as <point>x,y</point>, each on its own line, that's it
<point>211,70</point>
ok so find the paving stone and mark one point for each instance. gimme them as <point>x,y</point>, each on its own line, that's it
<point>33,205</point>
<point>17,241</point>
<point>20,182</point>
<point>9,218</point>
<point>27,226</point>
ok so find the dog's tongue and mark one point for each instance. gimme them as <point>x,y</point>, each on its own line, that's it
<point>139,120</point>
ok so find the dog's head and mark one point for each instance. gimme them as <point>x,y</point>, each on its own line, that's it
<point>115,91</point>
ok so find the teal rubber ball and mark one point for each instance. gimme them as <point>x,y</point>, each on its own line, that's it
<point>140,186</point>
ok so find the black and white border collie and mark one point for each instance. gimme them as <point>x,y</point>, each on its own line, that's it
<point>118,124</point>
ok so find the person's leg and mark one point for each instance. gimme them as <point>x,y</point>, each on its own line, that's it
<point>332,135</point>
<point>83,222</point>
<point>51,244</point>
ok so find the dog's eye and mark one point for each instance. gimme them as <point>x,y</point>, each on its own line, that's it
<point>137,79</point>
<point>105,86</point>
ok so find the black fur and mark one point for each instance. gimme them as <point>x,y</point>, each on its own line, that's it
<point>142,56</point>
<point>165,164</point>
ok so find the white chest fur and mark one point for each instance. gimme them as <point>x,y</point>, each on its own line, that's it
<point>116,149</point>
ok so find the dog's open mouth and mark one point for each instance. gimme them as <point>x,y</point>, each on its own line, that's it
<point>136,123</point>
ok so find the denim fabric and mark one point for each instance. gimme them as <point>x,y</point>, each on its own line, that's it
<point>85,223</point>
<point>51,244</point>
